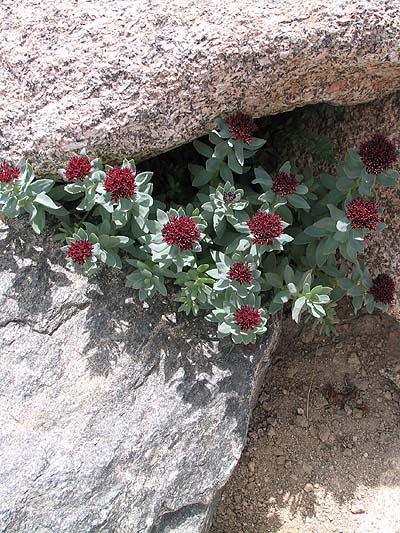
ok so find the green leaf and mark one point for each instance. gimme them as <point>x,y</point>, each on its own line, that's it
<point>356,291</point>
<point>303,238</point>
<point>328,181</point>
<point>367,182</point>
<point>256,144</point>
<point>31,209</point>
<point>286,167</point>
<point>263,178</point>
<point>297,201</point>
<point>320,257</point>
<point>336,213</point>
<point>330,246</point>
<point>226,172</point>
<point>203,149</point>
<point>301,189</point>
<point>288,274</point>
<point>113,260</point>
<point>273,279</point>
<point>386,180</point>
<point>238,147</point>
<point>46,201</point>
<point>38,221</point>
<point>357,302</point>
<point>233,163</point>
<point>220,151</point>
<point>39,186</point>
<point>74,188</point>
<point>344,184</point>
<point>297,307</point>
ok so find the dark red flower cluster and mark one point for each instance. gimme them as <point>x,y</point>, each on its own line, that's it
<point>120,182</point>
<point>284,183</point>
<point>363,213</point>
<point>383,289</point>
<point>378,154</point>
<point>79,250</point>
<point>229,197</point>
<point>77,168</point>
<point>241,272</point>
<point>241,126</point>
<point>182,231</point>
<point>8,173</point>
<point>247,317</point>
<point>265,227</point>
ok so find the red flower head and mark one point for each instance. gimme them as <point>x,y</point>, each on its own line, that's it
<point>77,168</point>
<point>229,197</point>
<point>284,183</point>
<point>265,227</point>
<point>79,250</point>
<point>363,213</point>
<point>182,231</point>
<point>120,182</point>
<point>241,126</point>
<point>247,317</point>
<point>8,173</point>
<point>383,289</point>
<point>241,272</point>
<point>378,154</point>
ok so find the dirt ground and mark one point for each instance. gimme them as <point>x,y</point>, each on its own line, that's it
<point>323,450</point>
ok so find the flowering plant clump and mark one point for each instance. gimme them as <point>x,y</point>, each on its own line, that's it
<point>249,244</point>
<point>383,289</point>
<point>79,250</point>
<point>247,317</point>
<point>182,231</point>
<point>265,227</point>
<point>120,182</point>
<point>284,183</point>
<point>8,172</point>
<point>378,154</point>
<point>363,213</point>
<point>241,126</point>
<point>78,168</point>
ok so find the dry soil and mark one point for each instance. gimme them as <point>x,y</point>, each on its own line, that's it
<point>323,450</point>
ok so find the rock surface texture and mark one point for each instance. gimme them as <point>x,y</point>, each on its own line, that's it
<point>139,77</point>
<point>115,418</point>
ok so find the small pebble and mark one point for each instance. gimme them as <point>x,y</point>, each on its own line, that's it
<point>354,361</point>
<point>300,411</point>
<point>307,469</point>
<point>278,452</point>
<point>358,508</point>
<point>302,422</point>
<point>308,487</point>
<point>324,435</point>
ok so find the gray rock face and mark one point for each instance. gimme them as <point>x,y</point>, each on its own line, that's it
<point>137,77</point>
<point>114,417</point>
